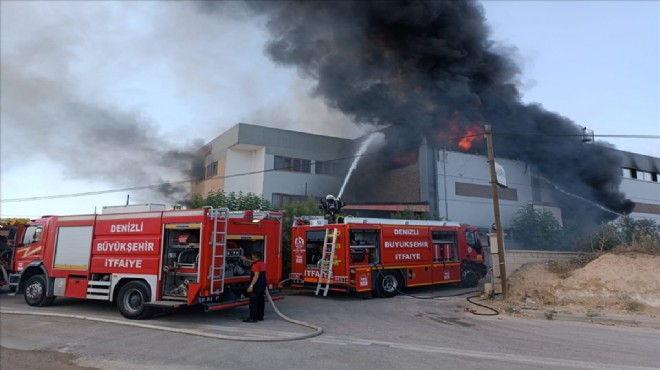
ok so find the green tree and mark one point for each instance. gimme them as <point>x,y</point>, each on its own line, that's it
<point>537,229</point>
<point>635,231</point>
<point>234,201</point>
<point>604,238</point>
<point>625,233</point>
<point>409,214</point>
<point>309,207</point>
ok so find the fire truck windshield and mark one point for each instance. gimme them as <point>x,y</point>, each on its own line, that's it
<point>32,234</point>
<point>473,240</point>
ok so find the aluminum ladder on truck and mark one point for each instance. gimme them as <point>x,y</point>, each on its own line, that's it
<point>326,262</point>
<point>217,243</point>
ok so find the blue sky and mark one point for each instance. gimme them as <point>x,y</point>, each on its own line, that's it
<point>181,77</point>
<point>595,62</point>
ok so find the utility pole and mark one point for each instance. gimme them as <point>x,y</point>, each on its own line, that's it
<point>496,209</point>
<point>444,176</point>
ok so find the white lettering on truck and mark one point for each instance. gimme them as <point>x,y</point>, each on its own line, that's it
<point>406,232</point>
<point>123,263</point>
<point>145,246</point>
<point>408,256</point>
<point>399,244</point>
<point>128,227</point>
<point>311,273</point>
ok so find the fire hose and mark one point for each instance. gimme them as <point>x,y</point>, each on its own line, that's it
<point>317,329</point>
<point>469,299</point>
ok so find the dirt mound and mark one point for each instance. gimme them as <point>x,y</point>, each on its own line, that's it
<point>614,283</point>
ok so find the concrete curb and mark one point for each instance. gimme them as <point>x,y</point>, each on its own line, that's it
<point>601,319</point>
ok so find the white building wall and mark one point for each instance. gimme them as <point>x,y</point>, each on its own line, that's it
<point>295,183</point>
<point>456,167</point>
<point>249,164</point>
<point>473,169</point>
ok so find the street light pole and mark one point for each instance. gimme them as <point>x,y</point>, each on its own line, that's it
<point>496,209</point>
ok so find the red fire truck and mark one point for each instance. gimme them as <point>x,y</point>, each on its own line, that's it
<point>145,259</point>
<point>383,256</point>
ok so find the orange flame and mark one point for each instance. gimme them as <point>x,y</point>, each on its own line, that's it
<point>471,135</point>
<point>461,132</point>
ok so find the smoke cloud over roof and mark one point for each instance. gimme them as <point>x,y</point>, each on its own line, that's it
<point>428,70</point>
<point>117,92</point>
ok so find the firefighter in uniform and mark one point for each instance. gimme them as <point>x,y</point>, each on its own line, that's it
<point>257,287</point>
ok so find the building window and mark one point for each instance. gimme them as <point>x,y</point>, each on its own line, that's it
<point>325,168</point>
<point>631,173</point>
<point>212,170</point>
<point>293,164</point>
<point>645,176</point>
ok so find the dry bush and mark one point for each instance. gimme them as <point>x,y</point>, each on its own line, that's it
<point>565,268</point>
<point>641,243</point>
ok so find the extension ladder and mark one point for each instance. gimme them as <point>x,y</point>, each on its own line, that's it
<point>218,242</point>
<point>326,262</point>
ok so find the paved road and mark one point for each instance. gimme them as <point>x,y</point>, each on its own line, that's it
<point>397,333</point>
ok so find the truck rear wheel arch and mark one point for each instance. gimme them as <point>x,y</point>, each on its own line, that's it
<point>388,283</point>
<point>131,295</point>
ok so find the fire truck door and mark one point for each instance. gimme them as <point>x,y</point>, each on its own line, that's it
<point>73,247</point>
<point>180,260</point>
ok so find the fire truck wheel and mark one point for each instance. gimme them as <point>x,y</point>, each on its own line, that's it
<point>131,300</point>
<point>387,284</point>
<point>35,292</point>
<point>469,278</point>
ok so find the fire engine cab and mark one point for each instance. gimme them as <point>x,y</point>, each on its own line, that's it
<point>144,259</point>
<point>383,256</point>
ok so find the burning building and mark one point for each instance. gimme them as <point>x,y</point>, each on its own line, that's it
<point>286,166</point>
<point>428,74</point>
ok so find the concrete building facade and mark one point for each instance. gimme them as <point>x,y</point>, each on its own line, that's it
<point>284,165</point>
<point>280,165</point>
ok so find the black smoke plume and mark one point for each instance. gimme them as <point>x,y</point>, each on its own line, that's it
<point>428,68</point>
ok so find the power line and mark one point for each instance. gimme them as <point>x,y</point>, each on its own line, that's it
<point>575,135</point>
<point>181,182</point>
<point>156,186</point>
<point>629,136</point>
<point>99,192</point>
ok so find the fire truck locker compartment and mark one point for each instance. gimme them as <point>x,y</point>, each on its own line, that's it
<point>244,245</point>
<point>73,246</point>
<point>419,275</point>
<point>76,287</point>
<point>446,272</point>
<point>73,287</point>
